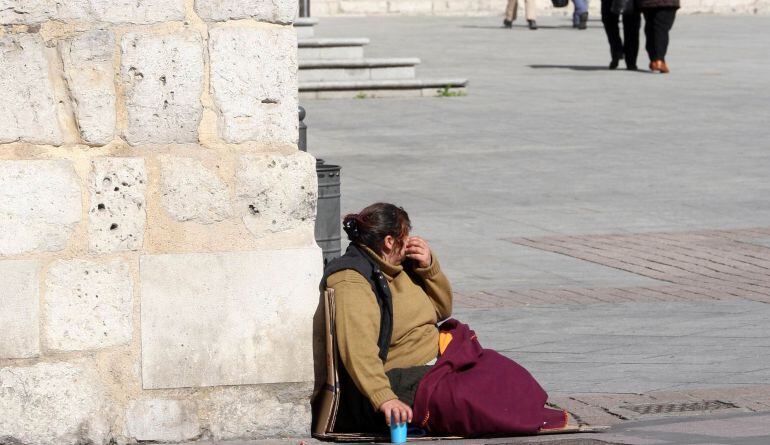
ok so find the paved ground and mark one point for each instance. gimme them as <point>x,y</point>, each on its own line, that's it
<point>608,230</point>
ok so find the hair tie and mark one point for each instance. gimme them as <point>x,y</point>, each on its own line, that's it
<point>351,228</point>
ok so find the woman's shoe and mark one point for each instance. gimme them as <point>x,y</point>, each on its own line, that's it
<point>655,65</point>
<point>614,63</point>
<point>532,24</point>
<point>507,24</point>
<point>663,67</point>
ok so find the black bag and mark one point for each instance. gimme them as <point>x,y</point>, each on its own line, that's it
<point>622,6</point>
<point>560,3</point>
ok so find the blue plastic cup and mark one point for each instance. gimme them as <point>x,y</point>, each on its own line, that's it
<point>397,432</point>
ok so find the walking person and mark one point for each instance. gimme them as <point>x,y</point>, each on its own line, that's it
<point>659,17</point>
<point>530,9</point>
<point>580,14</point>
<point>628,47</point>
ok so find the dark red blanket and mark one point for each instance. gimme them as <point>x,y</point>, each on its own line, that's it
<point>472,391</point>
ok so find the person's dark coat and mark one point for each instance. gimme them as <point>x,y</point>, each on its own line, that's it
<point>647,4</point>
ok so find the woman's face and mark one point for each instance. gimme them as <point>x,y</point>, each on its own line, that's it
<point>395,250</point>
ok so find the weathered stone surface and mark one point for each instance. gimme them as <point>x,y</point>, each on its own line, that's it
<point>276,193</point>
<point>163,79</point>
<point>88,68</point>
<point>40,205</point>
<point>277,11</point>
<point>254,412</point>
<point>192,192</point>
<point>19,300</point>
<point>87,305</point>
<point>218,318</point>
<point>114,11</point>
<point>28,110</point>
<point>52,403</point>
<point>117,216</point>
<point>254,83</point>
<point>162,420</point>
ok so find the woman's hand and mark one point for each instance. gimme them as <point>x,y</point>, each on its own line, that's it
<point>400,411</point>
<point>417,249</point>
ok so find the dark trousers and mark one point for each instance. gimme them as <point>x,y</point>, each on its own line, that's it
<point>632,22</point>
<point>657,24</point>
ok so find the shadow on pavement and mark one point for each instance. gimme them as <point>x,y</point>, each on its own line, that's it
<point>572,67</point>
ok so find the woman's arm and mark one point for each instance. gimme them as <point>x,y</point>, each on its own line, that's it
<point>437,287</point>
<point>358,329</point>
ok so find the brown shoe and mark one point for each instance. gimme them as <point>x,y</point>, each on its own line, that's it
<point>663,67</point>
<point>655,65</point>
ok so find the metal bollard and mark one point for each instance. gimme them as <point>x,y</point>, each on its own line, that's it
<point>328,224</point>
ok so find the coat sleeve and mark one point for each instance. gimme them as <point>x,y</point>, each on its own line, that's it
<point>437,287</point>
<point>358,329</point>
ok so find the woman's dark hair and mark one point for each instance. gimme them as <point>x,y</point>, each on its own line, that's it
<point>374,223</point>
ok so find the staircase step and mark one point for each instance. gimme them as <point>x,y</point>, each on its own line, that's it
<point>346,48</point>
<point>380,88</point>
<point>304,27</point>
<point>357,69</point>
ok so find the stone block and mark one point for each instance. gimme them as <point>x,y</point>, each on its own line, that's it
<point>163,80</point>
<point>160,420</point>
<point>230,318</point>
<point>276,11</point>
<point>254,83</point>
<point>88,68</point>
<point>113,11</point>
<point>51,404</point>
<point>117,216</point>
<point>87,305</point>
<point>40,205</point>
<point>254,412</point>
<point>192,192</point>
<point>275,193</point>
<point>28,110</point>
<point>19,300</point>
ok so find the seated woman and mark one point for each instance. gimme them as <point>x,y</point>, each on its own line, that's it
<point>390,293</point>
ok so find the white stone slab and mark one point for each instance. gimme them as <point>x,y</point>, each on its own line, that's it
<point>19,307</point>
<point>28,110</point>
<point>51,404</point>
<point>276,11</point>
<point>115,11</point>
<point>89,71</point>
<point>117,216</point>
<point>192,192</point>
<point>87,305</point>
<point>40,205</point>
<point>275,193</point>
<point>162,420</point>
<point>231,318</point>
<point>163,80</point>
<point>254,83</point>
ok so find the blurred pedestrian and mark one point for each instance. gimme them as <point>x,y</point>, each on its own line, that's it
<point>628,47</point>
<point>580,15</point>
<point>530,9</point>
<point>659,17</point>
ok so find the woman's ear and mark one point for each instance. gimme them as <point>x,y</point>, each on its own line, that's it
<point>388,243</point>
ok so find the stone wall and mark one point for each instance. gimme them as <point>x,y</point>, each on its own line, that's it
<point>158,272</point>
<point>325,8</point>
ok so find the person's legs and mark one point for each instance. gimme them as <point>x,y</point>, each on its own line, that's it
<point>631,24</point>
<point>510,12</point>
<point>611,28</point>
<point>580,15</point>
<point>649,35</point>
<point>664,20</point>
<point>530,7</point>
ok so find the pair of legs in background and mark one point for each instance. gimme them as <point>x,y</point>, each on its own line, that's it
<point>628,47</point>
<point>580,14</point>
<point>511,11</point>
<point>657,24</point>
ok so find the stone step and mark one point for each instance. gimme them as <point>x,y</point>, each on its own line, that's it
<point>357,69</point>
<point>381,88</point>
<point>328,49</point>
<point>304,27</point>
